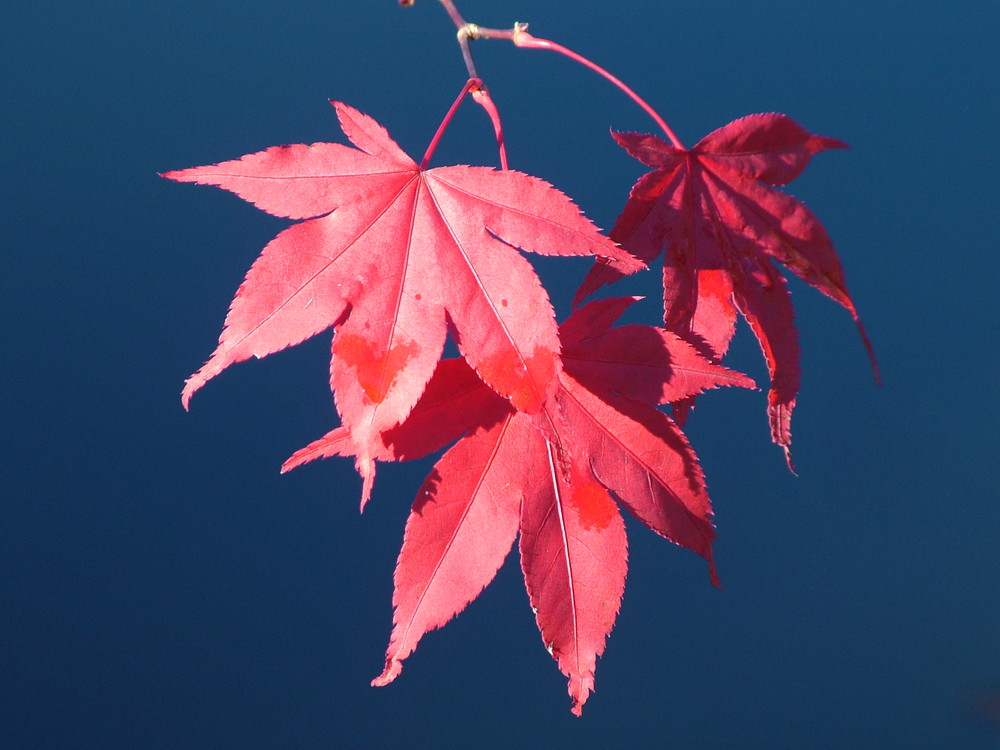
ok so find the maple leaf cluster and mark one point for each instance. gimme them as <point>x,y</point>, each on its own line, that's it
<point>552,428</point>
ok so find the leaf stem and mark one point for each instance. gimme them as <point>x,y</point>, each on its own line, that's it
<point>463,35</point>
<point>482,97</point>
<point>522,38</point>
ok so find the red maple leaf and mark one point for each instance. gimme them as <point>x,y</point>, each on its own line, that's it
<point>387,251</point>
<point>722,228</point>
<point>504,479</point>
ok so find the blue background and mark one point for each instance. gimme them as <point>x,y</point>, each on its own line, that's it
<point>162,586</point>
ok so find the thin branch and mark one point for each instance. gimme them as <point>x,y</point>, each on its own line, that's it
<point>520,37</point>
<point>456,17</point>
<point>466,32</point>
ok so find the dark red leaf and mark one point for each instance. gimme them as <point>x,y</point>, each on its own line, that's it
<point>722,229</point>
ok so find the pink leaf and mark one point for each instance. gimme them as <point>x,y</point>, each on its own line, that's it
<point>387,252</point>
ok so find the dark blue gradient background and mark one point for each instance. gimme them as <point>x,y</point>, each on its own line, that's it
<point>162,586</point>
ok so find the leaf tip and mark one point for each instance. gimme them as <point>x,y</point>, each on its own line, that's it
<point>713,573</point>
<point>788,459</point>
<point>366,468</point>
<point>870,349</point>
<point>177,175</point>
<point>821,143</point>
<point>579,698</point>
<point>194,383</point>
<point>392,669</point>
<point>187,393</point>
<point>295,460</point>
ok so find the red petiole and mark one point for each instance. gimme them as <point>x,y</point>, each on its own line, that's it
<point>482,97</point>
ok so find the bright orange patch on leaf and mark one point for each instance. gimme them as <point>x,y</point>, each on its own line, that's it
<point>593,505</point>
<point>524,380</point>
<point>376,372</point>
